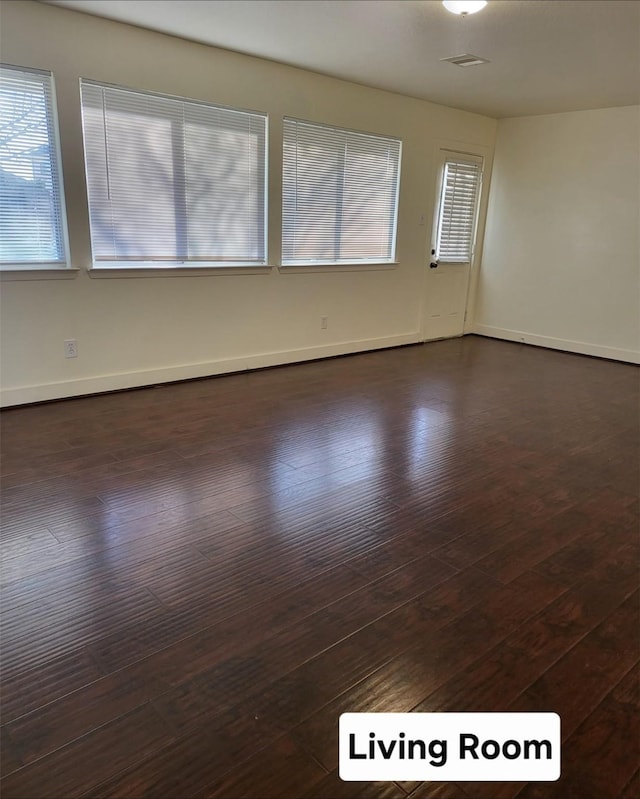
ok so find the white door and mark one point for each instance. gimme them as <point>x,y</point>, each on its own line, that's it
<point>452,248</point>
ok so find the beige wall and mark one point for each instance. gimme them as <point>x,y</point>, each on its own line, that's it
<point>561,260</point>
<point>135,331</point>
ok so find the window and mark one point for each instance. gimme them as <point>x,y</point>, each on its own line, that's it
<point>339,195</point>
<point>173,182</point>
<point>457,211</point>
<point>32,221</point>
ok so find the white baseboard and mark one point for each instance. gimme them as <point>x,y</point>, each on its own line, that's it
<point>567,345</point>
<point>113,382</point>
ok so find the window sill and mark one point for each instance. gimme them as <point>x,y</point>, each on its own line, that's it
<point>342,267</point>
<point>175,271</point>
<point>61,273</point>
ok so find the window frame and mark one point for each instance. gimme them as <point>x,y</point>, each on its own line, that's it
<point>177,267</point>
<point>55,150</point>
<point>452,156</point>
<point>353,264</point>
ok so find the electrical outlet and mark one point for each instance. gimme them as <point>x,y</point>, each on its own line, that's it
<point>70,348</point>
<point>324,322</point>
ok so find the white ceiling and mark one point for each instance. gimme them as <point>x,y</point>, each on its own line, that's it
<point>546,55</point>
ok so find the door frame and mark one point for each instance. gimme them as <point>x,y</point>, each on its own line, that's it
<point>464,148</point>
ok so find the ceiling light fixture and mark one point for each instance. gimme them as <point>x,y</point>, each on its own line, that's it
<point>464,7</point>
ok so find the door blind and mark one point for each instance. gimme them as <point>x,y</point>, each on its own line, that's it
<point>173,181</point>
<point>340,195</point>
<point>457,212</point>
<point>32,224</point>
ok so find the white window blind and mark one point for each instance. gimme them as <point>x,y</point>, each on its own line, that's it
<point>32,222</point>
<point>339,195</point>
<point>173,181</point>
<point>457,212</point>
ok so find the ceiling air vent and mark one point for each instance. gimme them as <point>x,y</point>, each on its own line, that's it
<point>466,60</point>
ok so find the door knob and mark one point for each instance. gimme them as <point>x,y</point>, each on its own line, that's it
<point>433,265</point>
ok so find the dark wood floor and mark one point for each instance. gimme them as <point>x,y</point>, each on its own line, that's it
<point>199,578</point>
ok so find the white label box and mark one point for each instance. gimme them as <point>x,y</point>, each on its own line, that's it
<point>457,747</point>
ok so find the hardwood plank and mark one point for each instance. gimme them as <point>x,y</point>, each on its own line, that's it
<point>401,684</point>
<point>601,756</point>
<point>184,523</point>
<point>102,700</point>
<point>10,759</point>
<point>397,551</point>
<point>332,786</point>
<point>21,520</point>
<point>39,632</point>
<point>247,671</point>
<point>281,771</point>
<point>547,639</point>
<point>510,559</point>
<point>53,726</point>
<point>474,541</point>
<point>586,554</point>
<point>596,760</point>
<point>439,790</point>
<point>87,542</point>
<point>76,768</point>
<point>24,690</point>
<point>632,788</point>
<point>627,692</point>
<point>302,691</point>
<point>575,684</point>
<point>25,544</point>
<point>191,762</point>
<point>206,631</point>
